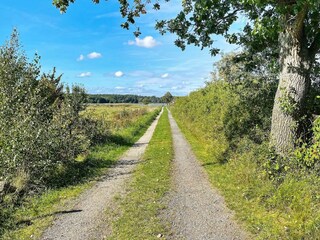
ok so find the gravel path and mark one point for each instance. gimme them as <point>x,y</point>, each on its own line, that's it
<point>86,220</point>
<point>196,211</point>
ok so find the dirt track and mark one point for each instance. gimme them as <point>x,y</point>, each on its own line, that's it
<point>196,211</point>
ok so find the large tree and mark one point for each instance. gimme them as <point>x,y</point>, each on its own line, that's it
<point>167,98</point>
<point>289,29</point>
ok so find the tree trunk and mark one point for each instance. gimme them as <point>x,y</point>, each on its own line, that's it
<point>294,83</point>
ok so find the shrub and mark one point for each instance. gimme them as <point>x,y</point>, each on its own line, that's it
<point>40,126</point>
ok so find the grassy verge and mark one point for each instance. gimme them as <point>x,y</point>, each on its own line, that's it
<point>289,210</point>
<point>140,208</point>
<point>37,212</point>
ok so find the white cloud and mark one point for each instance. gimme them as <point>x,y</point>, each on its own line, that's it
<point>120,88</point>
<point>118,74</point>
<point>80,58</point>
<point>147,42</point>
<point>165,75</point>
<point>94,55</point>
<point>84,74</point>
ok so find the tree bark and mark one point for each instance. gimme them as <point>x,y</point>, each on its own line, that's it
<point>294,83</point>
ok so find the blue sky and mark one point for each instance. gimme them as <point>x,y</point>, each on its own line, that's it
<point>90,48</point>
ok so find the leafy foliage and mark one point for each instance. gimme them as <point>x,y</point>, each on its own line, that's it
<point>308,155</point>
<point>167,98</point>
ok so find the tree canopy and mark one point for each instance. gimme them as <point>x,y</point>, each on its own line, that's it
<point>284,30</point>
<point>167,98</point>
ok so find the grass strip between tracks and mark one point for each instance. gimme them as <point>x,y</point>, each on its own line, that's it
<point>140,208</point>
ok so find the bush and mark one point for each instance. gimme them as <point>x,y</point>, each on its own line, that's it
<point>307,156</point>
<point>40,126</point>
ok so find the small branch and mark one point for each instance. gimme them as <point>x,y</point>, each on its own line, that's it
<point>231,14</point>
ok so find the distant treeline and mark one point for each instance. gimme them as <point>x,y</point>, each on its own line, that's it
<point>116,98</point>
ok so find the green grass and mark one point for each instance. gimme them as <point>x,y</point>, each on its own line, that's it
<point>37,212</point>
<point>289,210</point>
<point>139,209</point>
